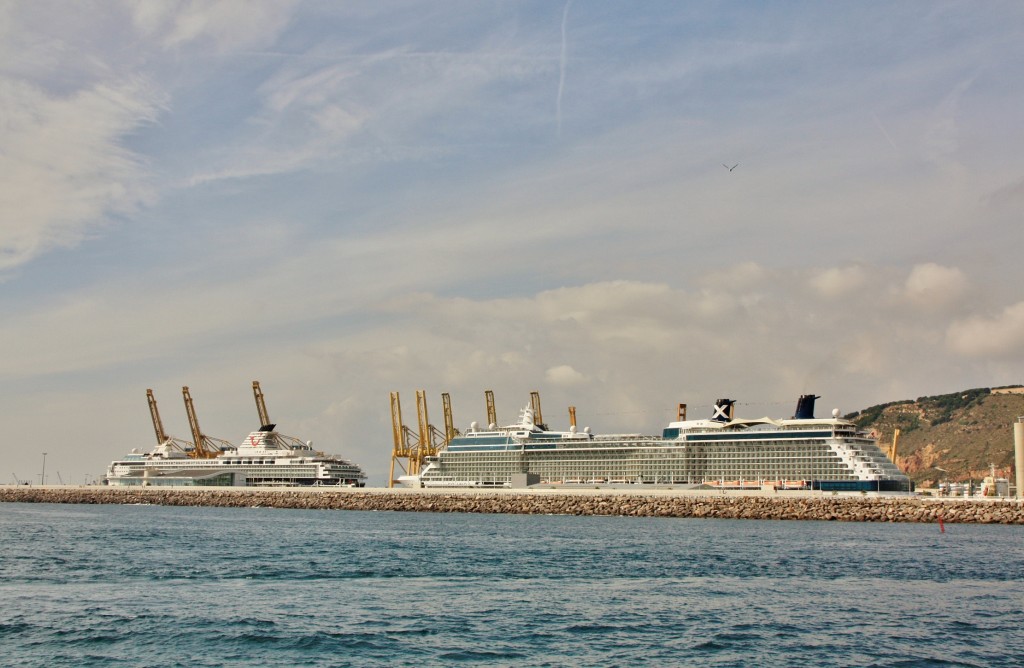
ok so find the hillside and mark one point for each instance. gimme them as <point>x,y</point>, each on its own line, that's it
<point>964,433</point>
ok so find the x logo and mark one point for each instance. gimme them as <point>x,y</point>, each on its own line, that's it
<point>720,412</point>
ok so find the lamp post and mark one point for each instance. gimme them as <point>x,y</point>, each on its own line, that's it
<point>42,478</point>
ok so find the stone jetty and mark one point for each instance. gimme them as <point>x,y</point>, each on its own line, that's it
<point>805,506</point>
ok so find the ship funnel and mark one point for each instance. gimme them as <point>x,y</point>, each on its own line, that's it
<point>723,410</point>
<point>805,407</point>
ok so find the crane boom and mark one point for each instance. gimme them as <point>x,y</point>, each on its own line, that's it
<point>401,448</point>
<point>261,405</point>
<point>203,449</point>
<point>398,433</point>
<point>538,419</point>
<point>449,421</point>
<point>492,415</point>
<point>421,413</point>
<point>158,425</point>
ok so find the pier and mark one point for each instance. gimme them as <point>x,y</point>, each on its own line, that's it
<point>609,502</point>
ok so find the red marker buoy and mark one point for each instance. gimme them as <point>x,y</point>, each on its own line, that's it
<point>942,527</point>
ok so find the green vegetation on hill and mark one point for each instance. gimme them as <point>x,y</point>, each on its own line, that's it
<point>869,416</point>
<point>956,436</point>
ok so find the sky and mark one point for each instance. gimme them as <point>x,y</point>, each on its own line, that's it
<point>344,200</point>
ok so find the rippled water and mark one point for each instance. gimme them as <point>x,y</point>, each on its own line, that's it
<point>161,586</point>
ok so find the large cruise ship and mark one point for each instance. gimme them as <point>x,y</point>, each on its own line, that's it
<point>264,458</point>
<point>803,452</point>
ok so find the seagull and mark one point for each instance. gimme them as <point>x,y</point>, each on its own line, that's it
<point>730,168</point>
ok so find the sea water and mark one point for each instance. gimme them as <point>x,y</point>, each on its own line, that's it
<point>166,586</point>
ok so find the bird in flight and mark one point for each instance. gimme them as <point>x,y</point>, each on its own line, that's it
<point>730,168</point>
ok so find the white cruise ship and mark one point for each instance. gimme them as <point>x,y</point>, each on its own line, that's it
<point>803,452</point>
<point>264,458</point>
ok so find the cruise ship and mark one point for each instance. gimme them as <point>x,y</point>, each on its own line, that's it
<point>264,458</point>
<point>802,452</point>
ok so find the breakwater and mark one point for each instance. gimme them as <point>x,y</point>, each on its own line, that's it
<point>531,502</point>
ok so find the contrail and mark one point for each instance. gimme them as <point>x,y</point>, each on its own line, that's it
<point>561,69</point>
<point>887,137</point>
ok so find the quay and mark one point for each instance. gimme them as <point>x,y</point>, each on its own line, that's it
<point>797,505</point>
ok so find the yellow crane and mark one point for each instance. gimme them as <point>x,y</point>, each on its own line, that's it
<point>205,447</point>
<point>431,438</point>
<point>272,438</point>
<point>492,415</point>
<point>406,444</point>
<point>158,426</point>
<point>538,419</point>
<point>261,405</point>
<point>410,448</point>
<point>450,431</point>
<point>895,442</point>
<point>572,416</point>
<point>400,450</point>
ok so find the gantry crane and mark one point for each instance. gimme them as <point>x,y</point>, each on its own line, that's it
<point>158,426</point>
<point>406,443</point>
<point>412,448</point>
<point>205,447</point>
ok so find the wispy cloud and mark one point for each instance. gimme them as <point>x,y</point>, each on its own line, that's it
<point>349,199</point>
<point>227,24</point>
<point>65,167</point>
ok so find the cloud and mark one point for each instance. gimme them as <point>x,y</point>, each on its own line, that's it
<point>839,281</point>
<point>996,337</point>
<point>645,347</point>
<point>932,286</point>
<point>941,139</point>
<point>227,24</point>
<point>564,375</point>
<point>741,276</point>
<point>65,169</point>
<point>416,222</point>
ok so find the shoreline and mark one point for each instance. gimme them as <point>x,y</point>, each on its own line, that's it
<point>602,502</point>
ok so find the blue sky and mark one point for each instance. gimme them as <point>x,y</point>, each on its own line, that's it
<point>346,199</point>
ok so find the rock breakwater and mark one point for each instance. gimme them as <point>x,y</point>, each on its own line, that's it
<point>834,508</point>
